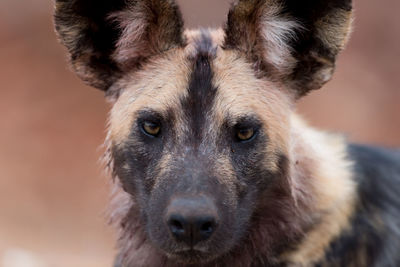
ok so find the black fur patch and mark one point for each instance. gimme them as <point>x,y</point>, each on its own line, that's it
<point>201,90</point>
<point>374,237</point>
<point>84,30</point>
<point>204,45</point>
<point>308,13</point>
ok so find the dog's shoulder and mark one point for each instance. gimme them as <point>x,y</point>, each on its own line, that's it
<point>373,238</point>
<point>377,172</point>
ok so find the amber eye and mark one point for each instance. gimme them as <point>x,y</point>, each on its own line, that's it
<point>245,134</point>
<point>151,128</point>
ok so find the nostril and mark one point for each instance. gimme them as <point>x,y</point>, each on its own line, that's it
<point>176,226</point>
<point>206,227</point>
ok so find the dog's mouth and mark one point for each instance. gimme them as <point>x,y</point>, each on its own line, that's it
<point>191,255</point>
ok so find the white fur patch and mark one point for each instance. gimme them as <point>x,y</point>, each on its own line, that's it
<point>133,25</point>
<point>277,31</point>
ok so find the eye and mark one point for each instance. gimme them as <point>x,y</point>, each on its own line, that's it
<point>151,128</point>
<point>245,134</point>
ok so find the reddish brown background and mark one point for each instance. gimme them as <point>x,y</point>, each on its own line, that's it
<point>52,191</point>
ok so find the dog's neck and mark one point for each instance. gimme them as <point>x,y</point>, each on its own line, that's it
<point>319,170</point>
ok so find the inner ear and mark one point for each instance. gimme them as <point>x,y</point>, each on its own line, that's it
<point>147,29</point>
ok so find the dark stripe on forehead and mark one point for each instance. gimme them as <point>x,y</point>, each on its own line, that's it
<point>201,92</point>
<point>204,44</point>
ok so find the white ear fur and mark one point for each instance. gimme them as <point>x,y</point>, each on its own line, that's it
<point>295,42</point>
<point>277,32</point>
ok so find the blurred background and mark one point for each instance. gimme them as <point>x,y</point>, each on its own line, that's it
<point>53,194</point>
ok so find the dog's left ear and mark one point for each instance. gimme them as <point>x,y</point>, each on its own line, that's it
<point>295,42</point>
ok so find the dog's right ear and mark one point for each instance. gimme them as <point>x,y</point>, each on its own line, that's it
<point>107,38</point>
<point>292,41</point>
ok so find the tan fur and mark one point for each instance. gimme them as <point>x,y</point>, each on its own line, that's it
<point>334,29</point>
<point>151,88</point>
<point>252,96</point>
<point>320,158</point>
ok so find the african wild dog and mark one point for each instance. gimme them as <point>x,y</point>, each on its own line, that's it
<point>211,164</point>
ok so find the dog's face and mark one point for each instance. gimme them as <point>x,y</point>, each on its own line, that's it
<point>200,121</point>
<point>204,146</point>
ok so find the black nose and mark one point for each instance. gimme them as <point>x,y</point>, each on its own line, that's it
<point>192,220</point>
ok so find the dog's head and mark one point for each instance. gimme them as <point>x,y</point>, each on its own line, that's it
<point>200,119</point>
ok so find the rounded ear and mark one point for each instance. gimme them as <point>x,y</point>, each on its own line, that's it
<point>295,42</point>
<point>107,38</point>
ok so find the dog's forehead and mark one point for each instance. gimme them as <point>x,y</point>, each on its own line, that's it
<point>200,78</point>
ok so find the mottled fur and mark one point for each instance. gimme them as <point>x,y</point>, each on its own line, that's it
<point>290,195</point>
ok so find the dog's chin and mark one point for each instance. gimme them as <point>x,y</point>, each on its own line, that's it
<point>191,256</point>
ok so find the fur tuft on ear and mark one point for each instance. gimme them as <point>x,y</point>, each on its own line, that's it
<point>295,42</point>
<point>107,38</point>
<point>147,30</point>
